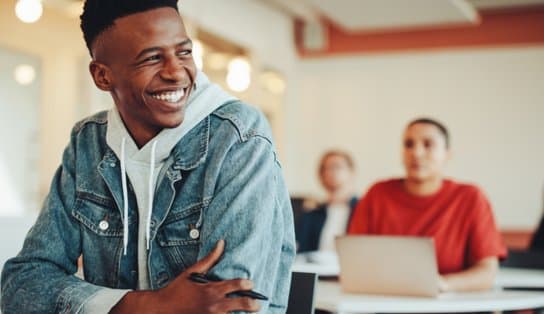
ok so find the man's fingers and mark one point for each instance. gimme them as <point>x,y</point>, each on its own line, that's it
<point>244,304</point>
<point>227,286</point>
<point>209,260</point>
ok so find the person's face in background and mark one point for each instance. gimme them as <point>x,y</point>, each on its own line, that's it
<point>424,152</point>
<point>145,62</point>
<point>335,172</point>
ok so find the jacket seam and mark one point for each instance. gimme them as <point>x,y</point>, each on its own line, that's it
<point>100,118</point>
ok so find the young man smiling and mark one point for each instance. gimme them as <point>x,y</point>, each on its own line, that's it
<point>179,177</point>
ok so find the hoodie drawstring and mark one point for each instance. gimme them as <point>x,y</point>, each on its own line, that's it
<point>151,191</point>
<point>125,196</point>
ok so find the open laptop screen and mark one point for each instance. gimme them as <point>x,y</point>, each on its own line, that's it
<point>389,265</point>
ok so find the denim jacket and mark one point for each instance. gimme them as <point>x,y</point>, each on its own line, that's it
<point>223,178</point>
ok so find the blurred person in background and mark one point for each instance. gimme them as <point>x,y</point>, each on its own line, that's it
<point>457,215</point>
<point>317,228</point>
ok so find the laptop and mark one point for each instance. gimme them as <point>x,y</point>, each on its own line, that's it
<point>388,265</point>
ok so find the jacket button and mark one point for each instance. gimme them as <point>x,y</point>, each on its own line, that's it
<point>103,225</point>
<point>112,165</point>
<point>194,234</point>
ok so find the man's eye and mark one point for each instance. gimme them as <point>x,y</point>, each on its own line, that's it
<point>185,52</point>
<point>152,58</point>
<point>408,144</point>
<point>428,144</point>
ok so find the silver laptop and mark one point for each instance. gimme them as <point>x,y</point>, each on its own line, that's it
<point>388,265</point>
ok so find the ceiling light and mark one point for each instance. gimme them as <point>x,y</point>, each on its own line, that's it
<point>24,74</point>
<point>29,11</point>
<point>239,74</point>
<point>198,54</point>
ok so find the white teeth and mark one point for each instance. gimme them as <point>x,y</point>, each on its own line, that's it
<point>170,96</point>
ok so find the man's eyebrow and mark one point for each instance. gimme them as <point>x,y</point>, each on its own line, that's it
<point>153,49</point>
<point>185,42</point>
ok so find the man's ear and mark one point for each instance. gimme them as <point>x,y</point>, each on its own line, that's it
<point>101,75</point>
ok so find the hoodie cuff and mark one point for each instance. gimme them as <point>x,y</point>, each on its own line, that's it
<point>103,301</point>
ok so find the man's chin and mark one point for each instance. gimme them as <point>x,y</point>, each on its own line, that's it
<point>417,177</point>
<point>171,122</point>
<point>172,125</point>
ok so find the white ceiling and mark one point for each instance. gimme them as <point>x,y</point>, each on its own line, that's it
<point>370,15</point>
<point>486,4</point>
<point>355,15</point>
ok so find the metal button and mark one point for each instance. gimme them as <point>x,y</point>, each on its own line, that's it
<point>194,233</point>
<point>103,225</point>
<point>112,164</point>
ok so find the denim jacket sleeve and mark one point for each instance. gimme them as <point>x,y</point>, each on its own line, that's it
<point>40,279</point>
<point>252,212</point>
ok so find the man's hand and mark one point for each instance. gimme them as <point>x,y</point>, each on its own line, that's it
<point>185,296</point>
<point>443,285</point>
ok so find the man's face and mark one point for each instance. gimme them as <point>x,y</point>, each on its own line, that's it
<point>145,62</point>
<point>336,173</point>
<point>424,152</point>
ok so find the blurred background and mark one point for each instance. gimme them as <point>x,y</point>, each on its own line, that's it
<point>346,74</point>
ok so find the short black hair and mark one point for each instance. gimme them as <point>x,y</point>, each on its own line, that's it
<point>99,15</point>
<point>441,127</point>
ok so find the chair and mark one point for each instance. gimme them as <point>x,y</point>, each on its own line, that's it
<point>537,241</point>
<point>524,259</point>
<point>300,205</point>
<point>301,295</point>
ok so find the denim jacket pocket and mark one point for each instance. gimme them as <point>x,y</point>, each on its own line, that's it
<point>99,215</point>
<point>179,236</point>
<point>101,239</point>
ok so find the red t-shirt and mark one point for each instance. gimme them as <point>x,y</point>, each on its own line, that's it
<point>458,217</point>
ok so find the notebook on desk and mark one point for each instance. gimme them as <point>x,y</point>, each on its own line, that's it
<point>389,265</point>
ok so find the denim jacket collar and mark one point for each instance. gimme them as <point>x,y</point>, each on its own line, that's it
<point>188,153</point>
<point>192,150</point>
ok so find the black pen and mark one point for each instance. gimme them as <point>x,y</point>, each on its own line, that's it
<point>203,278</point>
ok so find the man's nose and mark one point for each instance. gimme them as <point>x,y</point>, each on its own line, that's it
<point>418,150</point>
<point>173,70</point>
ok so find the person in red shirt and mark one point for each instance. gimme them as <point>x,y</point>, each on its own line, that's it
<point>458,216</point>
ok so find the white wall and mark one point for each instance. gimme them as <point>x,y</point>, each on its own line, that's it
<point>18,135</point>
<point>492,100</point>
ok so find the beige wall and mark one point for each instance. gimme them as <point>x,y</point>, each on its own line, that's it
<point>491,99</point>
<point>57,41</point>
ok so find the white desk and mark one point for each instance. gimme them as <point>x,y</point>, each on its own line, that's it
<point>330,297</point>
<point>506,278</point>
<point>520,278</point>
